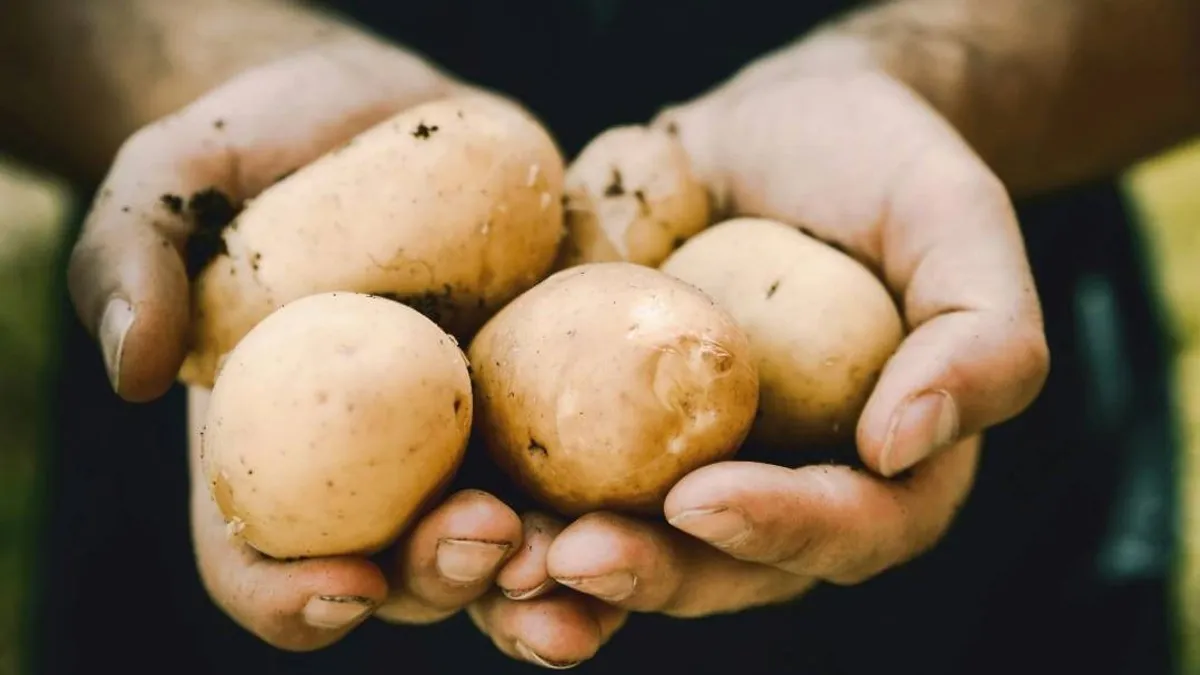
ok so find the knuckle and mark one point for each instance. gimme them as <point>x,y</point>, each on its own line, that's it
<point>1033,355</point>
<point>410,609</point>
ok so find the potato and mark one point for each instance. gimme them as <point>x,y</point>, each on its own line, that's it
<point>606,383</point>
<point>332,423</point>
<point>821,325</point>
<point>453,207</point>
<point>631,196</point>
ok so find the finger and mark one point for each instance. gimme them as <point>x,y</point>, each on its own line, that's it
<point>829,522</point>
<point>524,576</point>
<point>190,171</point>
<point>647,567</point>
<point>557,631</point>
<point>451,558</point>
<point>977,352</point>
<point>296,606</point>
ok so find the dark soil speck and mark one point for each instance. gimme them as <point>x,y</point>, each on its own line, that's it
<point>616,186</point>
<point>424,131</point>
<point>174,203</point>
<point>210,211</point>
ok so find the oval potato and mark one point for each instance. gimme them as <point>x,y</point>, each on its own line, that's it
<point>332,423</point>
<point>821,325</point>
<point>631,196</point>
<point>453,207</point>
<point>606,383</point>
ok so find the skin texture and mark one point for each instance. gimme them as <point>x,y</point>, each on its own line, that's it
<point>1110,82</point>
<point>337,83</point>
<point>631,196</point>
<point>452,206</point>
<point>821,326</point>
<point>332,423</point>
<point>607,383</point>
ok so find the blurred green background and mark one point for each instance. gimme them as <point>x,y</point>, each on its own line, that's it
<point>33,208</point>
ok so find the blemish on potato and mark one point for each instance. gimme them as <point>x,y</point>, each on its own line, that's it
<point>773,288</point>
<point>615,187</point>
<point>643,205</point>
<point>536,448</point>
<point>174,203</point>
<point>424,131</point>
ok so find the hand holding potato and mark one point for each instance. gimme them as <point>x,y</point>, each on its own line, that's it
<point>129,278</point>
<point>860,162</point>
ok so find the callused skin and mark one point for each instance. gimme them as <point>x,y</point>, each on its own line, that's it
<point>605,384</point>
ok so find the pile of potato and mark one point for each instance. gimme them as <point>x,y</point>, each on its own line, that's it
<point>617,338</point>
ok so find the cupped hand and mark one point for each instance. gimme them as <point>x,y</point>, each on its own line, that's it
<point>743,534</point>
<point>857,160</point>
<point>129,280</point>
<point>861,162</point>
<point>129,271</point>
<point>459,555</point>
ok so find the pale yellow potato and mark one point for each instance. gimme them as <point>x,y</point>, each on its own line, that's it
<point>631,196</point>
<point>821,325</point>
<point>333,423</point>
<point>453,207</point>
<point>606,383</point>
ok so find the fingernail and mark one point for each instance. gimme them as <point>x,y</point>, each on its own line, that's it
<point>114,326</point>
<point>526,593</point>
<point>720,526</point>
<point>613,587</point>
<point>923,425</point>
<point>334,612</point>
<point>533,657</point>
<point>466,562</point>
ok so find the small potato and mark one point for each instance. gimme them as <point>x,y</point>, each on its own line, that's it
<point>821,325</point>
<point>631,196</point>
<point>333,423</point>
<point>606,383</point>
<point>453,207</point>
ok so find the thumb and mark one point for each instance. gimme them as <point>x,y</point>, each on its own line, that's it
<point>863,162</point>
<point>176,183</point>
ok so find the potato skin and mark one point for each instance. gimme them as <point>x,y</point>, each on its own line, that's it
<point>606,383</point>
<point>631,196</point>
<point>453,207</point>
<point>332,423</point>
<point>821,325</point>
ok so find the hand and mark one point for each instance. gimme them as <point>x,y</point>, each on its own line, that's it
<point>450,560</point>
<point>129,283</point>
<point>861,162</point>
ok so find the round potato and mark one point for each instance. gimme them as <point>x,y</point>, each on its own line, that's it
<point>821,325</point>
<point>332,423</point>
<point>453,207</point>
<point>631,196</point>
<point>606,383</point>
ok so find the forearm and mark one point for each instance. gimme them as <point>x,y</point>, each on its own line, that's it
<point>77,78</point>
<point>1049,92</point>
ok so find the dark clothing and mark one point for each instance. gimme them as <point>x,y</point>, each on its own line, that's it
<point>1059,563</point>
